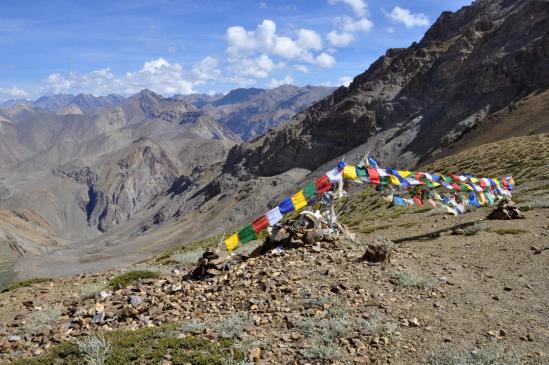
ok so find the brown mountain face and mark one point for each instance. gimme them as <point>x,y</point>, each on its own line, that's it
<point>97,176</point>
<point>84,174</point>
<point>413,103</point>
<point>251,112</point>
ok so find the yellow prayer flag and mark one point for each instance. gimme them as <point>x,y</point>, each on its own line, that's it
<point>404,173</point>
<point>481,198</point>
<point>299,200</point>
<point>474,180</point>
<point>394,180</point>
<point>349,172</point>
<point>232,242</point>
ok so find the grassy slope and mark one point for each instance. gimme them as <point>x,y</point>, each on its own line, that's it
<point>525,158</point>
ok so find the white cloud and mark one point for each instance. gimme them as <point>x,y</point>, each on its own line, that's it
<point>338,39</point>
<point>12,93</point>
<point>347,28</point>
<point>325,60</point>
<point>158,75</point>
<point>348,24</point>
<point>302,68</point>
<point>206,70</point>
<point>258,67</point>
<point>358,6</point>
<point>390,30</point>
<point>345,80</point>
<point>404,16</point>
<point>276,83</point>
<point>264,39</point>
<point>309,39</point>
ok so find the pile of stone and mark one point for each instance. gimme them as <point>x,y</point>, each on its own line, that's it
<point>506,209</point>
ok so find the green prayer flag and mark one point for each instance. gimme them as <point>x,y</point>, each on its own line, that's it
<point>447,179</point>
<point>428,183</point>
<point>247,234</point>
<point>384,180</point>
<point>361,171</point>
<point>309,190</point>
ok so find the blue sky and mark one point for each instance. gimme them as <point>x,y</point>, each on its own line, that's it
<point>101,47</point>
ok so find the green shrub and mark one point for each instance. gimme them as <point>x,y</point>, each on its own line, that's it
<point>144,346</point>
<point>90,290</point>
<point>411,280</point>
<point>41,320</point>
<point>26,283</point>
<point>94,349</point>
<point>127,278</point>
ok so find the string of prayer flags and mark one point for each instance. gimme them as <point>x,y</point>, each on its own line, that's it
<point>417,186</point>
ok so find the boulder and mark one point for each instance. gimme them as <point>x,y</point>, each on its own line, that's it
<point>379,250</point>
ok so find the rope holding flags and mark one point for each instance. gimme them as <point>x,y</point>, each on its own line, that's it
<point>400,187</point>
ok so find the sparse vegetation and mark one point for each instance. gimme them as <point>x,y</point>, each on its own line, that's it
<point>90,290</point>
<point>127,278</point>
<point>324,334</point>
<point>488,356</point>
<point>471,230</point>
<point>404,279</point>
<point>159,269</point>
<point>26,283</point>
<point>192,326</point>
<point>186,258</point>
<point>94,349</point>
<point>233,326</point>
<point>513,231</point>
<point>41,320</point>
<point>372,229</point>
<point>146,346</point>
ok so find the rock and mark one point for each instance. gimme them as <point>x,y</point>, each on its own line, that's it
<point>506,209</point>
<point>379,250</point>
<point>14,338</point>
<point>98,317</point>
<point>135,300</point>
<point>359,345</point>
<point>313,236</point>
<point>255,354</point>
<point>414,322</point>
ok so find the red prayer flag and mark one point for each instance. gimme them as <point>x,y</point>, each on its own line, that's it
<point>323,184</point>
<point>260,224</point>
<point>373,175</point>
<point>417,200</point>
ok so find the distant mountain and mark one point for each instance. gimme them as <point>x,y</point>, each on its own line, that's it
<point>84,102</point>
<point>11,102</point>
<point>251,112</point>
<point>237,96</point>
<point>198,100</point>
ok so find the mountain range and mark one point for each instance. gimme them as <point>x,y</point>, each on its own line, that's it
<point>95,182</point>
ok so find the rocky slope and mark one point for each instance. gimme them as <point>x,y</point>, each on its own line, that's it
<point>440,298</point>
<point>82,175</point>
<point>415,102</point>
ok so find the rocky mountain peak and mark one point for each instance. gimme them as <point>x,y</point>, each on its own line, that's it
<point>414,102</point>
